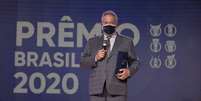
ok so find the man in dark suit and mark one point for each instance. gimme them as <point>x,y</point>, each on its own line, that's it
<point>101,55</point>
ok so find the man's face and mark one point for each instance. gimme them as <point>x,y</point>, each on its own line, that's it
<point>109,20</point>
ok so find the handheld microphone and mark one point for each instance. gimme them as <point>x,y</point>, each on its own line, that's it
<point>104,45</point>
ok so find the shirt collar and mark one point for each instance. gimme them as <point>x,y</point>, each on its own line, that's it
<point>113,35</point>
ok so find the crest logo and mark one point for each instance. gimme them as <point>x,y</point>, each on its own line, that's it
<point>155,45</point>
<point>155,30</point>
<point>170,61</point>
<point>155,62</point>
<point>170,30</point>
<point>170,46</point>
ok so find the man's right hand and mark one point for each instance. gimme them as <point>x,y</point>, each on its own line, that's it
<point>100,54</point>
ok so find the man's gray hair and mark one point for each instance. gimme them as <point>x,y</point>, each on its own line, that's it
<point>110,12</point>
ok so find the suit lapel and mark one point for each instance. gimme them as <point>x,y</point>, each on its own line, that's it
<point>100,42</point>
<point>115,47</point>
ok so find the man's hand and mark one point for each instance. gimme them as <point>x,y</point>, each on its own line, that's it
<point>123,74</point>
<point>100,54</point>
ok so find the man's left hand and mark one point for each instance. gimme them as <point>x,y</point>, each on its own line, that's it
<point>123,74</point>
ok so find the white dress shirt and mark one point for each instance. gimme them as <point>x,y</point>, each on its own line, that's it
<point>112,40</point>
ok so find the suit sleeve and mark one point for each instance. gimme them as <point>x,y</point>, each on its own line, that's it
<point>88,58</point>
<point>133,61</point>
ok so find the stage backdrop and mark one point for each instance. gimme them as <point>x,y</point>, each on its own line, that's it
<point>42,41</point>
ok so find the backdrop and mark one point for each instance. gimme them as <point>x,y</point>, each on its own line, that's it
<point>42,41</point>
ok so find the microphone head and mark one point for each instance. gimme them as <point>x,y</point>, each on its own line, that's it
<point>104,45</point>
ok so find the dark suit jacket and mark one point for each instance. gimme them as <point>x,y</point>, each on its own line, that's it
<point>105,70</point>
